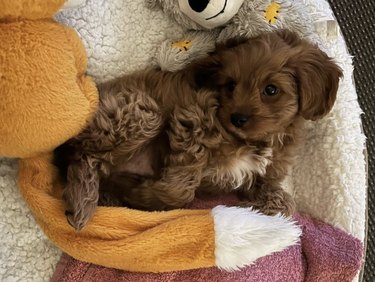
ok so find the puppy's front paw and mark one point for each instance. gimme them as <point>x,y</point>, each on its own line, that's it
<point>79,211</point>
<point>79,218</point>
<point>272,203</point>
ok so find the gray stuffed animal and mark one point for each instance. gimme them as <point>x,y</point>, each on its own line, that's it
<point>215,21</point>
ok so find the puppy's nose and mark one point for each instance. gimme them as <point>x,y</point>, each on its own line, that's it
<point>198,5</point>
<point>238,119</point>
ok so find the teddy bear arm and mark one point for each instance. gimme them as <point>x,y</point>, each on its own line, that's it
<point>78,50</point>
<point>85,83</point>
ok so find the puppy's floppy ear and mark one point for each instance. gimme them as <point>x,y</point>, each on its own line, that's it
<point>317,79</point>
<point>204,73</point>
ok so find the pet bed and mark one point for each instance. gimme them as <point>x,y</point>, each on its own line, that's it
<point>329,181</point>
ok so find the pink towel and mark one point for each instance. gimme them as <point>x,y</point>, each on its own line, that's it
<point>325,254</point>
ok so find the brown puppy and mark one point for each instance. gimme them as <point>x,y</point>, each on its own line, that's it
<point>229,122</point>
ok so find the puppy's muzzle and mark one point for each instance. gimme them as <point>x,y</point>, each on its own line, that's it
<point>238,119</point>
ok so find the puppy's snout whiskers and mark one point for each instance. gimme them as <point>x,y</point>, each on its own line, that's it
<point>239,120</point>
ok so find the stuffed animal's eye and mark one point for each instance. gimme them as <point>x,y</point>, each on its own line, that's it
<point>271,90</point>
<point>230,86</point>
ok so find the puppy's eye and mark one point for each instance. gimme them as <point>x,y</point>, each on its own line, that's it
<point>271,90</point>
<point>230,86</point>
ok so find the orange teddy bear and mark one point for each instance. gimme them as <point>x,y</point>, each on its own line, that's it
<point>45,95</point>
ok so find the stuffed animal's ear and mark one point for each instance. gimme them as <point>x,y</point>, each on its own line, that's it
<point>317,78</point>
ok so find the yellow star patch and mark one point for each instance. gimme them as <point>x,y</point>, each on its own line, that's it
<point>272,12</point>
<point>182,45</point>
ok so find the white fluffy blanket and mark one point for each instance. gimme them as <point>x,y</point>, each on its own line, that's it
<point>329,180</point>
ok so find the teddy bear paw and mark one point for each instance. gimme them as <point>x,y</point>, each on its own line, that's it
<point>175,55</point>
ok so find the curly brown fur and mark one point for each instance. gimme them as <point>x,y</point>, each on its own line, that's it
<point>232,122</point>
